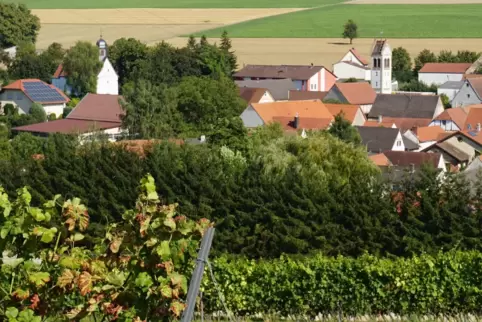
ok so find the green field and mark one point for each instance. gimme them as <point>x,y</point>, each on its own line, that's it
<point>92,4</point>
<point>396,21</point>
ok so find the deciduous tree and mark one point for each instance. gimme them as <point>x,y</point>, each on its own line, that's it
<point>342,129</point>
<point>401,65</point>
<point>82,65</point>
<point>17,24</point>
<point>425,56</point>
<point>126,55</point>
<point>350,30</point>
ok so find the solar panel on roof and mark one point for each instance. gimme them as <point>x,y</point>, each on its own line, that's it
<point>41,92</point>
<point>473,133</point>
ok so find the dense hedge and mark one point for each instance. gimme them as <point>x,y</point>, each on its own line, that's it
<point>290,195</point>
<point>447,283</point>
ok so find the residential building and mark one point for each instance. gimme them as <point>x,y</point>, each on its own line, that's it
<point>305,78</point>
<point>439,73</point>
<point>402,123</point>
<point>381,73</point>
<point>295,95</point>
<point>351,113</point>
<point>408,159</point>
<point>94,114</point>
<point>406,106</point>
<point>450,88</point>
<point>278,88</point>
<point>469,94</point>
<point>353,93</point>
<point>380,160</point>
<point>255,95</point>
<point>107,79</point>
<point>428,135</point>
<point>410,140</point>
<point>292,115</point>
<point>25,92</point>
<point>381,139</point>
<point>452,119</point>
<point>352,65</point>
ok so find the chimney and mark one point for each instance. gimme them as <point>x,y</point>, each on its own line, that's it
<point>202,139</point>
<point>478,127</point>
<point>380,118</point>
<point>311,65</point>
<point>296,121</point>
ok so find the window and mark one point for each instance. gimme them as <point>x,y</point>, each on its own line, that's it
<point>376,73</point>
<point>314,86</point>
<point>468,95</point>
<point>19,96</point>
<point>375,63</point>
<point>399,143</point>
<point>467,84</point>
<point>9,95</point>
<point>376,84</point>
<point>469,127</point>
<point>444,123</point>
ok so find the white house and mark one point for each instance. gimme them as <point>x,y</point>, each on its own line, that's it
<point>452,119</point>
<point>381,78</point>
<point>352,65</point>
<point>439,73</point>
<point>381,139</point>
<point>25,92</point>
<point>450,89</point>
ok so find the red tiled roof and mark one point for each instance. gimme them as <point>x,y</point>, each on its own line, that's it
<point>59,72</point>
<point>305,109</point>
<point>304,123</point>
<point>98,107</point>
<point>407,158</point>
<point>383,123</point>
<point>449,68</point>
<point>296,95</point>
<point>429,133</point>
<point>67,126</point>
<point>349,111</point>
<point>19,85</point>
<point>357,93</point>
<point>358,56</point>
<point>407,123</point>
<point>469,76</point>
<point>380,160</point>
<point>473,118</point>
<point>456,115</point>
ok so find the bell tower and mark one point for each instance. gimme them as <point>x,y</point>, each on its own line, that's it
<point>381,60</point>
<point>102,45</point>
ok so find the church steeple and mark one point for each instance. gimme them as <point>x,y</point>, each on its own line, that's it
<point>102,45</point>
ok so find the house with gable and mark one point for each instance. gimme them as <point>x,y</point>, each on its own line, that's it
<point>24,93</point>
<point>452,119</point>
<point>469,94</point>
<point>450,89</point>
<point>352,65</point>
<point>305,78</point>
<point>107,79</point>
<point>255,95</point>
<point>94,114</point>
<point>351,113</point>
<point>381,139</point>
<point>278,88</point>
<point>439,73</point>
<point>292,115</point>
<point>361,94</point>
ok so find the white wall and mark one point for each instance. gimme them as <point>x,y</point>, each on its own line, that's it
<point>351,58</point>
<point>344,71</point>
<point>314,86</point>
<point>359,118</point>
<point>449,92</point>
<point>112,133</point>
<point>398,145</point>
<point>57,109</point>
<point>439,109</point>
<point>438,78</point>
<point>445,125</point>
<point>366,108</point>
<point>267,98</point>
<point>17,98</point>
<point>107,80</point>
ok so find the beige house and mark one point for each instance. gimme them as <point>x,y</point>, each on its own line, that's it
<point>25,92</point>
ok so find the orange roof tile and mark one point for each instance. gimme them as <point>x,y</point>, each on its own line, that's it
<point>405,124</point>
<point>357,93</point>
<point>349,111</point>
<point>304,109</point>
<point>59,72</point>
<point>372,123</point>
<point>380,160</point>
<point>474,117</point>
<point>450,68</point>
<point>304,123</point>
<point>469,76</point>
<point>429,133</point>
<point>358,56</point>
<point>456,115</point>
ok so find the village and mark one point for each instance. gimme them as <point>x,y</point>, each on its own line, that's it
<point>401,130</point>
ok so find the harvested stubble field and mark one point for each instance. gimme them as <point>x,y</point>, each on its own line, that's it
<point>394,20</point>
<point>97,4</point>
<point>326,51</point>
<point>66,26</point>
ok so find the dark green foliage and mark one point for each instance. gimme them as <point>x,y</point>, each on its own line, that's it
<point>445,101</point>
<point>82,65</point>
<point>343,130</point>
<point>350,30</point>
<point>126,56</point>
<point>17,25</point>
<point>38,113</point>
<point>351,80</point>
<point>415,86</point>
<point>441,285</point>
<point>332,101</point>
<point>425,56</point>
<point>226,47</point>
<point>402,65</point>
<point>466,56</point>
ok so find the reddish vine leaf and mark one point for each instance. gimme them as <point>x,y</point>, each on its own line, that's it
<point>176,308</point>
<point>115,245</point>
<point>35,300</point>
<point>21,294</point>
<point>85,283</point>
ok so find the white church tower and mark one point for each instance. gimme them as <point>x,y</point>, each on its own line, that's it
<point>107,80</point>
<point>381,79</point>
